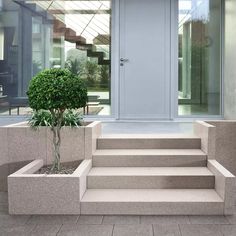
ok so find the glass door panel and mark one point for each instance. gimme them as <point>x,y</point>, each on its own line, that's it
<point>199,33</point>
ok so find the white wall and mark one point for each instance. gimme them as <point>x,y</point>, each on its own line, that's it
<point>230,60</point>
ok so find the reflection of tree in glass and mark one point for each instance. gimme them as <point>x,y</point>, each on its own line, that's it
<point>73,66</point>
<point>91,73</point>
<point>104,73</point>
<point>96,76</point>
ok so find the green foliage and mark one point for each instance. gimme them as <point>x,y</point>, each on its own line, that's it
<point>56,89</point>
<point>40,118</point>
<point>72,118</point>
<point>44,118</point>
<point>95,76</point>
<point>104,73</point>
<point>91,72</point>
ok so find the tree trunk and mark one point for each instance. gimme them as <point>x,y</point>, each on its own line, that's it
<point>56,148</point>
<point>56,129</point>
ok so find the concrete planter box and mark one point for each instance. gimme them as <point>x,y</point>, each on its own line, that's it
<point>21,144</point>
<point>30,193</point>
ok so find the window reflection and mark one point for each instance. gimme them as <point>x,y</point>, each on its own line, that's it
<point>35,35</point>
<point>199,57</point>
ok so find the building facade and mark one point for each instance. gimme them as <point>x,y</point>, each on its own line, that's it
<point>144,60</point>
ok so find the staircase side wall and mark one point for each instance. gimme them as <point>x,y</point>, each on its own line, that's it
<point>225,148</point>
<point>218,141</point>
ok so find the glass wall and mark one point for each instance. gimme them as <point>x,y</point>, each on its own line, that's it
<point>199,82</point>
<point>72,34</point>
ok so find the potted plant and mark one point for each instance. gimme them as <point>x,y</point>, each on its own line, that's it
<point>56,91</point>
<point>54,95</point>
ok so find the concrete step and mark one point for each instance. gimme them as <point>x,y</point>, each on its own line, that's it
<point>151,202</point>
<point>135,141</point>
<point>149,157</point>
<point>150,177</point>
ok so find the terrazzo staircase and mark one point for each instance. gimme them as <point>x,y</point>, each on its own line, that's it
<point>153,175</point>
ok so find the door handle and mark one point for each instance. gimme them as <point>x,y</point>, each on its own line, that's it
<point>124,60</point>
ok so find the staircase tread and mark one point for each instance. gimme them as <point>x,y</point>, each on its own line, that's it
<point>150,171</point>
<point>151,195</point>
<point>149,152</point>
<point>148,136</point>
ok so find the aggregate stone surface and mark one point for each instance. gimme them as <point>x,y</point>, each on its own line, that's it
<point>114,225</point>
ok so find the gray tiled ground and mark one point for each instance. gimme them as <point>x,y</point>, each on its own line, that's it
<point>114,225</point>
<point>52,220</point>
<point>90,220</point>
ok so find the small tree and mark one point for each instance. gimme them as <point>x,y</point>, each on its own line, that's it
<point>56,90</point>
<point>73,66</point>
<point>91,73</point>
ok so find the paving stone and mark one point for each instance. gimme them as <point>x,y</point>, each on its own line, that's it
<point>7,220</point>
<point>90,220</point>
<point>3,198</point>
<point>46,230</point>
<point>231,219</point>
<point>166,230</point>
<point>3,209</point>
<point>4,169</point>
<point>234,208</point>
<point>228,230</point>
<point>16,230</point>
<point>52,219</point>
<point>165,220</point>
<point>208,220</point>
<point>200,230</point>
<point>133,230</point>
<point>123,220</point>
<point>86,230</point>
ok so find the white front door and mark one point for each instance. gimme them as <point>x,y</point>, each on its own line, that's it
<point>145,59</point>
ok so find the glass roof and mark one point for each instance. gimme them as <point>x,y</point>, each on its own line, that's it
<point>87,18</point>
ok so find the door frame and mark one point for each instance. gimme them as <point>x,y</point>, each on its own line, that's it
<point>174,59</point>
<point>115,64</point>
<point>115,59</point>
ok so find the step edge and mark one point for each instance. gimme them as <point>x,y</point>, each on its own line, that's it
<point>210,199</point>
<point>137,171</point>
